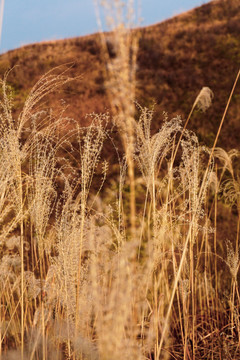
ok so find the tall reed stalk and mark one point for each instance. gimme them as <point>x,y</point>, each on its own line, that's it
<point>121,80</point>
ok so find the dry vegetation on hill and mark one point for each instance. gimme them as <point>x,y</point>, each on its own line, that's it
<point>119,231</point>
<point>176,58</point>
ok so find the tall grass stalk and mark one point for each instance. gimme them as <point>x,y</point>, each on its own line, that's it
<point>121,80</point>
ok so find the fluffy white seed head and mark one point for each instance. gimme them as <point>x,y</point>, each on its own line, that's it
<point>204,99</point>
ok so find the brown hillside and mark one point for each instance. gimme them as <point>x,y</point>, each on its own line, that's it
<point>176,59</point>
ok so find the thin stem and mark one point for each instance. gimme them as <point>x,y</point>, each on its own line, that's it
<point>223,118</point>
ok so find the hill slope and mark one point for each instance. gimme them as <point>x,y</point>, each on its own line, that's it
<point>176,59</point>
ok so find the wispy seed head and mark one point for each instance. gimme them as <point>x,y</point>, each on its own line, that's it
<point>204,99</point>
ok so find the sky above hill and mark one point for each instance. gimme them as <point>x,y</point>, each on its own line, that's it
<point>29,21</point>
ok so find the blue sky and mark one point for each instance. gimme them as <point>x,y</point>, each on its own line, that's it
<point>29,21</point>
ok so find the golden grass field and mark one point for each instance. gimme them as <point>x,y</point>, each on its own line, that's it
<point>130,265</point>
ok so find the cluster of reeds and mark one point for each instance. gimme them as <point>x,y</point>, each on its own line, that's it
<point>135,273</point>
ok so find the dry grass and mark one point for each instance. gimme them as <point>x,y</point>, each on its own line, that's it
<point>83,274</point>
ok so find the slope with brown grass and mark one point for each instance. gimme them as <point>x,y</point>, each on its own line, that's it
<point>176,59</point>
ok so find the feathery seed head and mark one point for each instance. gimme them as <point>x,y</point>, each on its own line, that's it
<point>204,99</point>
<point>232,259</point>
